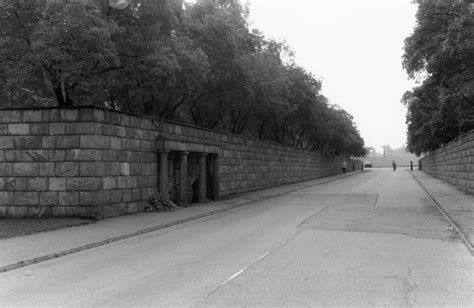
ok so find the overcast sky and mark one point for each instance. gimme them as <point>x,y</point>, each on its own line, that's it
<point>355,47</point>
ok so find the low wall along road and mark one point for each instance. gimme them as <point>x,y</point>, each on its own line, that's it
<point>90,162</point>
<point>453,163</point>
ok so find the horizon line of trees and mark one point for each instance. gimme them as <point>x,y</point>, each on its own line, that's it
<point>440,56</point>
<point>196,63</point>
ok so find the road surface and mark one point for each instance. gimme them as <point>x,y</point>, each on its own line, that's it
<point>372,239</point>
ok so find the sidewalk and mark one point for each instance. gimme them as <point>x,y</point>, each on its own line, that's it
<point>457,205</point>
<point>21,251</point>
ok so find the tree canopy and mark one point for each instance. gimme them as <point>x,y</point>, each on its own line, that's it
<point>196,63</point>
<point>440,53</point>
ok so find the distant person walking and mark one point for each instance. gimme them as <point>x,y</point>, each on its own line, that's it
<point>394,165</point>
<point>344,167</point>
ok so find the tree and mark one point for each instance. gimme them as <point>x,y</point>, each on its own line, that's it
<point>441,50</point>
<point>64,48</point>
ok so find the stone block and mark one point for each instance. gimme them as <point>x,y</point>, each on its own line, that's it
<point>136,194</point>
<point>125,169</point>
<point>126,195</point>
<point>95,168</point>
<point>145,123</point>
<point>122,182</point>
<point>141,206</point>
<point>114,168</point>
<point>132,182</point>
<point>57,128</point>
<point>84,155</point>
<point>115,196</point>
<point>67,142</point>
<point>95,142</point>
<point>46,169</point>
<point>105,211</point>
<point>3,129</point>
<point>94,198</point>
<point>68,198</point>
<point>135,121</point>
<point>147,145</point>
<point>109,155</point>
<point>109,182</point>
<point>91,114</point>
<point>37,184</point>
<point>80,211</point>
<point>10,116</point>
<point>143,181</point>
<point>13,155</point>
<point>57,155</point>
<point>48,142</point>
<point>113,118</point>
<point>19,129</point>
<point>84,183</point>
<point>17,211</point>
<point>39,211</point>
<point>135,169</point>
<point>84,128</point>
<point>69,115</point>
<point>116,143</point>
<point>124,156</point>
<point>6,142</point>
<point>63,169</point>
<point>6,198</point>
<point>58,211</point>
<point>131,144</point>
<point>25,169</point>
<point>34,155</point>
<point>3,211</point>
<point>6,169</point>
<point>125,120</point>
<point>26,142</point>
<point>57,184</point>
<point>109,130</point>
<point>120,208</point>
<point>49,198</point>
<point>132,207</point>
<point>26,198</point>
<point>32,115</point>
<point>150,135</point>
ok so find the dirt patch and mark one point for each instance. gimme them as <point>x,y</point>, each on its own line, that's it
<point>19,227</point>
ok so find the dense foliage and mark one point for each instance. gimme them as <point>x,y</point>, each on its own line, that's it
<point>193,63</point>
<point>440,53</point>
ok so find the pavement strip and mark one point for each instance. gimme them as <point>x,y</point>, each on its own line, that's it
<point>464,238</point>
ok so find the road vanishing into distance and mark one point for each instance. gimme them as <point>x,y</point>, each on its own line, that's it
<point>371,239</point>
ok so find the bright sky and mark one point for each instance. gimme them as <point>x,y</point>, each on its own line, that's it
<point>355,47</point>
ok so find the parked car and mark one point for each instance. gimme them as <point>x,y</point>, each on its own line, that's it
<point>367,164</point>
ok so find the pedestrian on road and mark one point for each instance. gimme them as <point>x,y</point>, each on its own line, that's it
<point>394,165</point>
<point>344,166</point>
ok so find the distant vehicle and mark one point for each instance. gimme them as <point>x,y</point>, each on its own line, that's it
<point>368,164</point>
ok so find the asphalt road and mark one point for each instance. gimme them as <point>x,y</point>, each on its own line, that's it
<point>372,239</point>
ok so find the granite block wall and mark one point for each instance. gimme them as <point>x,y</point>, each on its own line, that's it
<point>90,162</point>
<point>453,163</point>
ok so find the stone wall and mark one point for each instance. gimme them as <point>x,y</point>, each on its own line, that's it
<point>453,163</point>
<point>90,162</point>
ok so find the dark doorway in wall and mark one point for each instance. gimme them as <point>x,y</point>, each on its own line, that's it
<point>173,176</point>
<point>193,177</point>
<point>210,174</point>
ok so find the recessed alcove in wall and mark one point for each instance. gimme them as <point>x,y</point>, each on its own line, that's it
<point>187,171</point>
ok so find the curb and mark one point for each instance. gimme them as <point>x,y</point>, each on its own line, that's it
<point>464,238</point>
<point>66,252</point>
